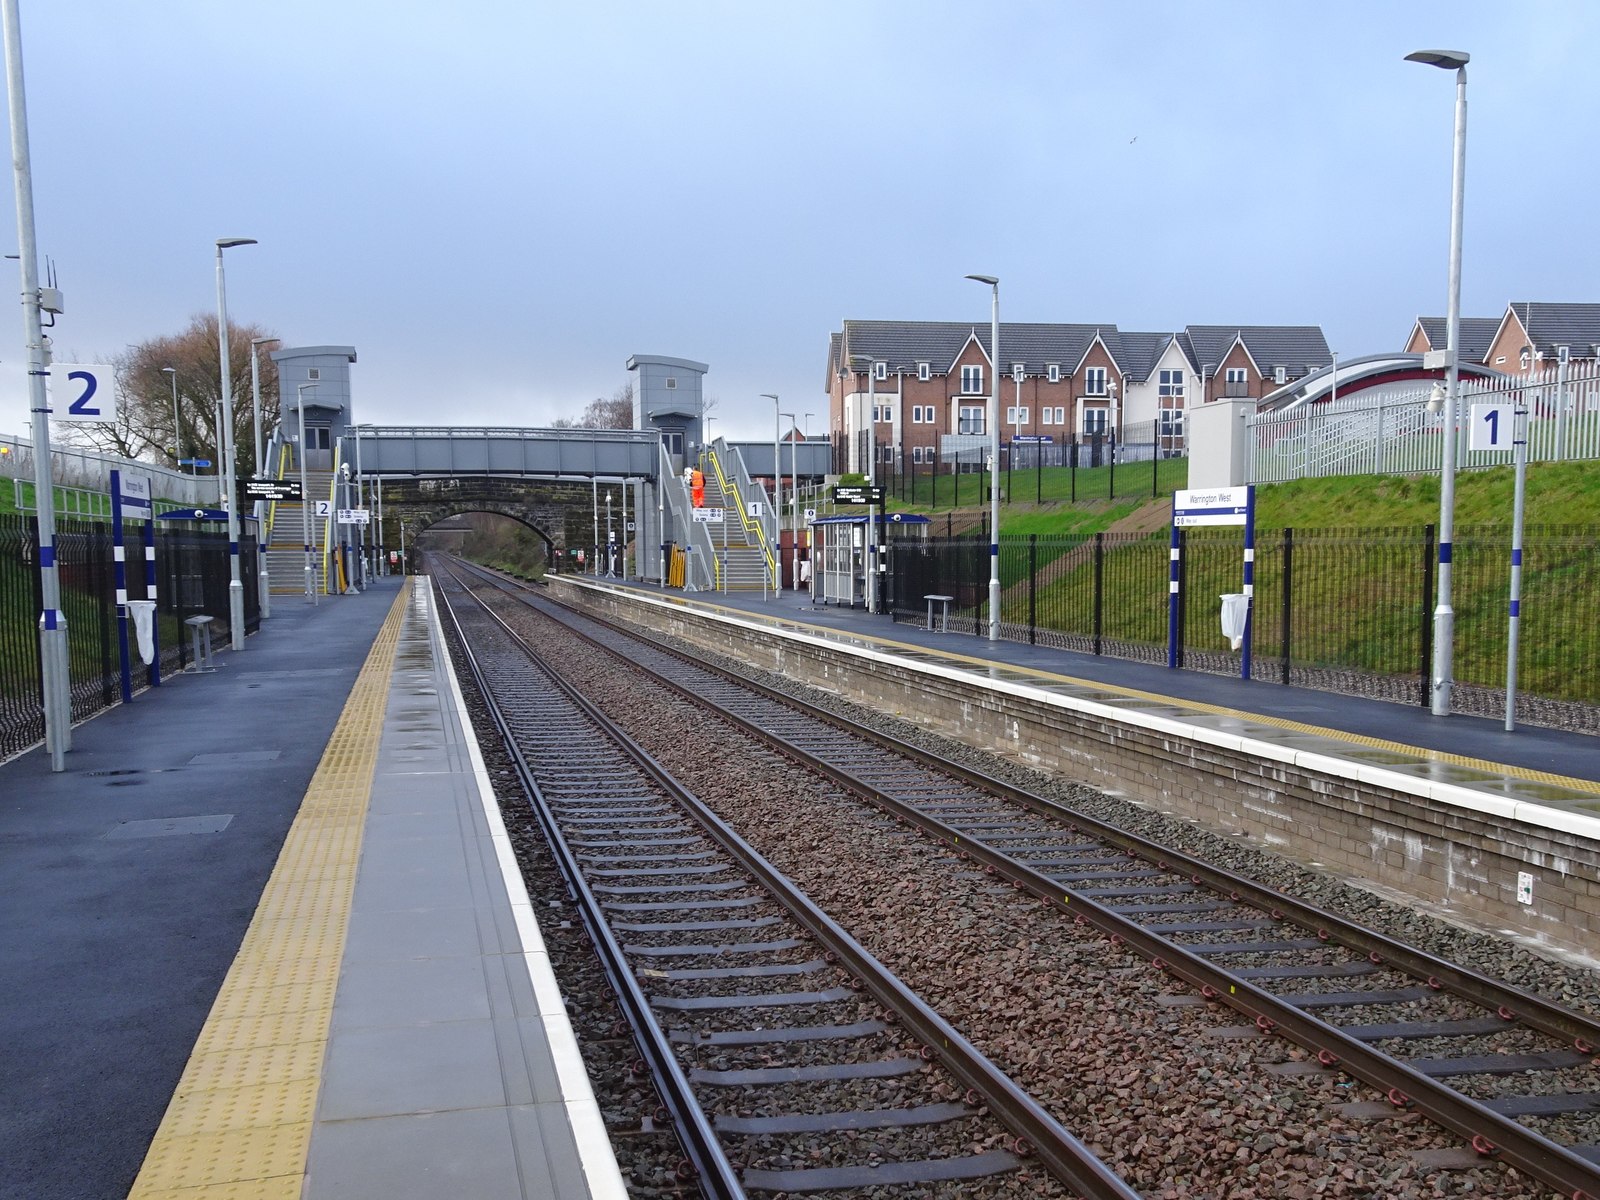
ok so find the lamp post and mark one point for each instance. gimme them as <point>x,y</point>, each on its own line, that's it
<point>1443,614</point>
<point>177,430</point>
<point>794,504</point>
<point>263,579</point>
<point>777,493</point>
<point>994,451</point>
<point>225,449</point>
<point>305,496</point>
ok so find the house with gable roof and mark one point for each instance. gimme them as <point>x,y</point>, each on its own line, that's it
<point>1531,333</point>
<point>1432,333</point>
<point>1235,361</point>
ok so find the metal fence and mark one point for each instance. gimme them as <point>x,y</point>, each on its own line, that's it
<point>192,577</point>
<point>1346,610</point>
<point>84,478</point>
<point>1396,434</point>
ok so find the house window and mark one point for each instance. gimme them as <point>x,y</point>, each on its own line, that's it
<point>1094,421</point>
<point>1525,359</point>
<point>1045,415</point>
<point>1053,372</point>
<point>923,372</point>
<point>916,454</point>
<point>972,381</point>
<point>1499,358</point>
<point>1061,416</point>
<point>971,419</point>
<point>880,370</point>
<point>1170,383</point>
<point>1094,381</point>
<point>1019,371</point>
<point>1235,382</point>
<point>313,372</point>
<point>1017,416</point>
<point>672,382</point>
<point>1172,422</point>
<point>1280,374</point>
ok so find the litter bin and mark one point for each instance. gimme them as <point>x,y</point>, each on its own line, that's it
<point>1235,612</point>
<point>143,614</point>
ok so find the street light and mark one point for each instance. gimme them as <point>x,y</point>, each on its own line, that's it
<point>177,430</point>
<point>994,453</point>
<point>777,491</point>
<point>1443,614</point>
<point>305,496</point>
<point>794,502</point>
<point>263,579</point>
<point>225,448</point>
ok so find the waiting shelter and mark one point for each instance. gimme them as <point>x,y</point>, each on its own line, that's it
<point>841,557</point>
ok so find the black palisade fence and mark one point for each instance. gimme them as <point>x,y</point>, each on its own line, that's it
<point>1348,610</point>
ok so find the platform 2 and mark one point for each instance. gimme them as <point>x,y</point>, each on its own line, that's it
<point>265,937</point>
<point>1451,810</point>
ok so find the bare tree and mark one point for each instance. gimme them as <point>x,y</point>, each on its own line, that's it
<point>615,413</point>
<point>145,420</point>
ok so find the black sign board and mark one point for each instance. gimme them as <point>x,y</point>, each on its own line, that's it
<point>270,489</point>
<point>854,493</point>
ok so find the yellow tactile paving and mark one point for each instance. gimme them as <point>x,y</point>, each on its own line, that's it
<point>990,668</point>
<point>239,1124</point>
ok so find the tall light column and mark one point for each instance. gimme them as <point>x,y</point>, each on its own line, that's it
<point>225,448</point>
<point>1444,617</point>
<point>777,493</point>
<point>263,580</point>
<point>55,679</point>
<point>177,430</point>
<point>994,453</point>
<point>305,494</point>
<point>794,504</point>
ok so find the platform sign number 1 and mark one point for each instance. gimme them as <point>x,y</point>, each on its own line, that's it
<point>83,392</point>
<point>1492,428</point>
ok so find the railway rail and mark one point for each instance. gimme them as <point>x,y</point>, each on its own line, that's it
<point>1509,1072</point>
<point>760,1021</point>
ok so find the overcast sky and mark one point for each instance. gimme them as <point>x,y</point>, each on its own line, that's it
<point>498,201</point>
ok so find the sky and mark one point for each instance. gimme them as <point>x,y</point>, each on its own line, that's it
<point>497,202</point>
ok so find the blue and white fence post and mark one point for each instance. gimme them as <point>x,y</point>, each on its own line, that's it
<point>150,595</point>
<point>1249,578</point>
<point>121,572</point>
<point>1216,506</point>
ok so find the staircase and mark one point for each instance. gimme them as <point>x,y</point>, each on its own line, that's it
<point>286,559</point>
<point>745,566</point>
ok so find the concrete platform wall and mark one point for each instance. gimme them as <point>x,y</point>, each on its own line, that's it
<point>1463,860</point>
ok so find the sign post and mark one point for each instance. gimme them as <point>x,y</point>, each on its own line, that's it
<point>1217,506</point>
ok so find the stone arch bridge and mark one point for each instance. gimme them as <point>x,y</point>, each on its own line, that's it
<point>560,514</point>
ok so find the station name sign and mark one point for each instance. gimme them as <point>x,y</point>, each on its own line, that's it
<point>852,493</point>
<point>1216,506</point>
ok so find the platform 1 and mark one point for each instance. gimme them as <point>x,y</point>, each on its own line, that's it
<point>265,937</point>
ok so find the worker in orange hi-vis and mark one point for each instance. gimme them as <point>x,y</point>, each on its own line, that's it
<point>697,487</point>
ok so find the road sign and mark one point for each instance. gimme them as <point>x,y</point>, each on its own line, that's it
<point>849,493</point>
<point>1214,506</point>
<point>85,393</point>
<point>270,489</point>
<point>194,462</point>
<point>1492,427</point>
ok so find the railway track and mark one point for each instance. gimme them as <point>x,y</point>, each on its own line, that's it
<point>786,1057</point>
<point>1510,1073</point>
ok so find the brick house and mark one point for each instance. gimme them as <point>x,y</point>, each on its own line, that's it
<point>1429,333</point>
<point>1234,361</point>
<point>1529,335</point>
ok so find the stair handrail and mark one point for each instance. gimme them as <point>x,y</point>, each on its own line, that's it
<point>703,562</point>
<point>719,448</point>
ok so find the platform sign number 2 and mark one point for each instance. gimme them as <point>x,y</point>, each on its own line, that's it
<point>83,392</point>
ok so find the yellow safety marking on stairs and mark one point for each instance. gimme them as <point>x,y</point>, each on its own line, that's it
<point>239,1124</point>
<point>1156,700</point>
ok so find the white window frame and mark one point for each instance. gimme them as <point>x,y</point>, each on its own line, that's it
<point>972,380</point>
<point>1094,381</point>
<point>1061,415</point>
<point>1017,415</point>
<point>880,371</point>
<point>1170,382</point>
<point>916,455</point>
<point>1053,372</point>
<point>924,371</point>
<point>1095,420</point>
<point>1235,375</point>
<point>972,419</point>
<point>1019,372</point>
<point>1280,374</point>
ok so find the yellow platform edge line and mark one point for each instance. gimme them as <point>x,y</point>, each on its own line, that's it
<point>1489,766</point>
<point>239,1122</point>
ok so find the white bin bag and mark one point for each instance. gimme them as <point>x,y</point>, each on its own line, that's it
<point>143,614</point>
<point>1235,611</point>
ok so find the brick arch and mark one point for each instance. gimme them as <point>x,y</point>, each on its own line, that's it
<point>423,519</point>
<point>546,508</point>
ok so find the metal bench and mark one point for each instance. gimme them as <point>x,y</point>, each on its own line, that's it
<point>944,612</point>
<point>200,639</point>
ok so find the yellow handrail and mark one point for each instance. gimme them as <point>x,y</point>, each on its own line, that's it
<point>745,522</point>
